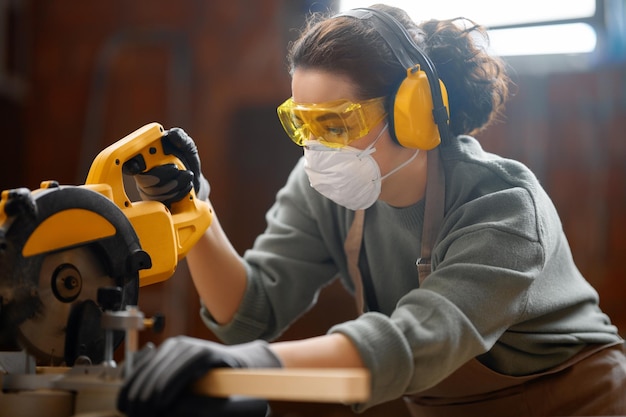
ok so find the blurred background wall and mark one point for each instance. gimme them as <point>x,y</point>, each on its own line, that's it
<point>79,75</point>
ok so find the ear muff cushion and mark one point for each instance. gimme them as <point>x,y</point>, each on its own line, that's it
<point>411,112</point>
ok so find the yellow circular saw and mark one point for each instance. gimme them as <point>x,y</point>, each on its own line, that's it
<point>60,244</point>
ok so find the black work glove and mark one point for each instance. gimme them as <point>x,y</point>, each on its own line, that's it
<point>166,183</point>
<point>161,377</point>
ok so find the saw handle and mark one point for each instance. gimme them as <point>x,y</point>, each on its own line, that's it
<point>138,152</point>
<point>187,219</point>
<point>168,183</point>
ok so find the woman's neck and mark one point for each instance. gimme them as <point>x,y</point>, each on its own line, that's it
<point>407,186</point>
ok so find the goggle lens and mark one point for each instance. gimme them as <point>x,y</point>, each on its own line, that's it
<point>334,124</point>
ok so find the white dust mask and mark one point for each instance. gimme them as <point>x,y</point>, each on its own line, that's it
<point>348,176</point>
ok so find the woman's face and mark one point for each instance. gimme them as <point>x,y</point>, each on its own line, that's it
<point>319,86</point>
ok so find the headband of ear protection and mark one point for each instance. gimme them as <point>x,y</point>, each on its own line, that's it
<point>418,111</point>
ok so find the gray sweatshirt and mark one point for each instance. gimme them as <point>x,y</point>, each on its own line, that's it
<point>504,287</point>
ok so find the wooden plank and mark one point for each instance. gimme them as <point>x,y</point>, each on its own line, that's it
<point>312,385</point>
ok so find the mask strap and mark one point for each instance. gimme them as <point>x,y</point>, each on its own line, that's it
<point>402,165</point>
<point>370,148</point>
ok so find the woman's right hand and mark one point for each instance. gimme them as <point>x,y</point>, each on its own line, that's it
<point>166,183</point>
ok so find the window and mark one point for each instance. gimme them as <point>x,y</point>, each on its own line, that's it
<point>528,27</point>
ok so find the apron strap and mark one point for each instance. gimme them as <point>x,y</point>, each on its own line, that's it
<point>433,212</point>
<point>352,248</point>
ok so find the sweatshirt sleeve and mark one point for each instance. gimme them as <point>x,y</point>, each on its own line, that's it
<point>286,268</point>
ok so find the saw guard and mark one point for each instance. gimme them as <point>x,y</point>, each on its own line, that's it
<point>56,225</point>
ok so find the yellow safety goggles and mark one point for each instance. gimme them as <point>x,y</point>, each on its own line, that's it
<point>334,124</point>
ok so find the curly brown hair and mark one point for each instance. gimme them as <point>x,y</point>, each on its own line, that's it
<point>476,82</point>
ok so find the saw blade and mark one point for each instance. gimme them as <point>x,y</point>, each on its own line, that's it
<point>66,279</point>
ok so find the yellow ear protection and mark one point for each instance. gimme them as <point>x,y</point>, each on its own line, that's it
<point>418,111</point>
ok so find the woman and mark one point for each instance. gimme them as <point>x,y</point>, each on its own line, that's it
<point>495,320</point>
